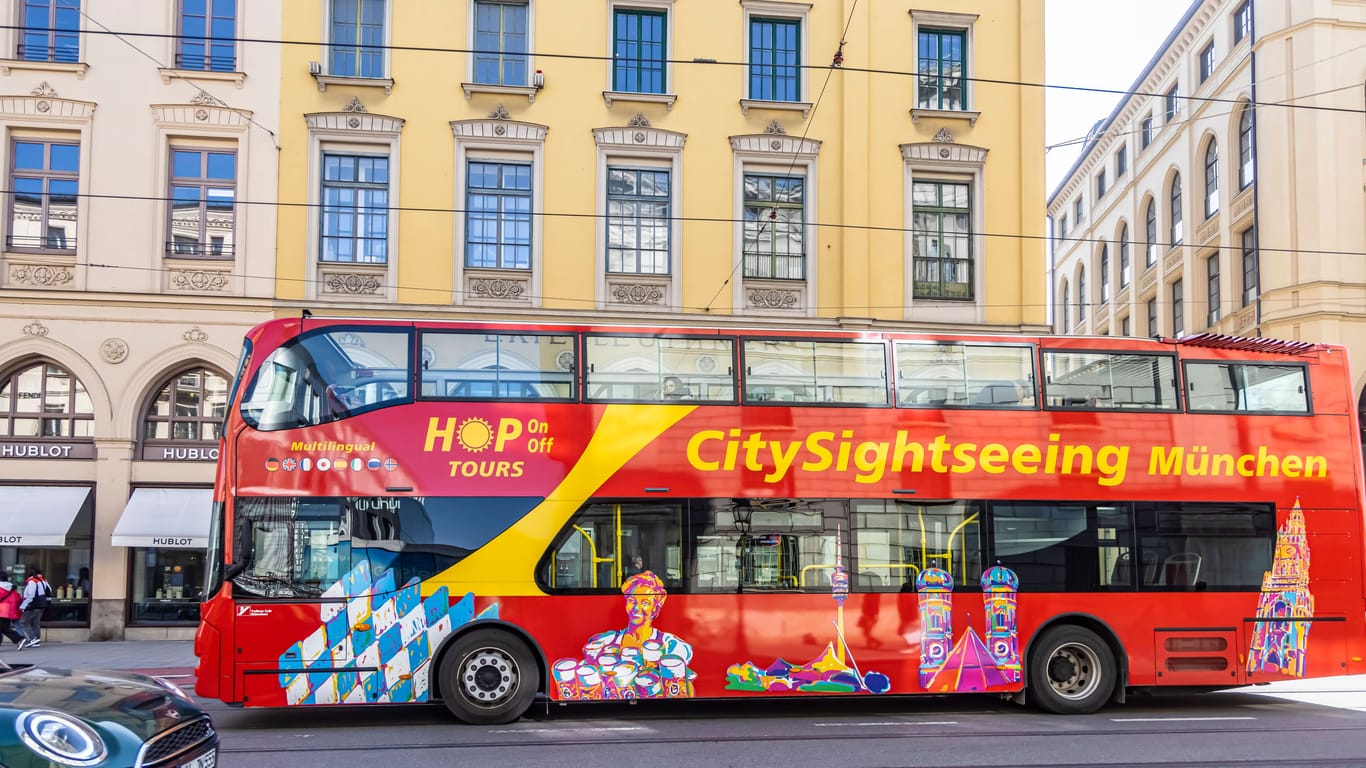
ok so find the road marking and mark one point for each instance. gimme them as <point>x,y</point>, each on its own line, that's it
<point>613,729</point>
<point>877,723</point>
<point>1176,719</point>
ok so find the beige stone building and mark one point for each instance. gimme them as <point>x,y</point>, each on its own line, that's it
<point>1225,193</point>
<point>136,252</point>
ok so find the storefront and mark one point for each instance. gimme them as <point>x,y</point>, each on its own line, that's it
<point>167,530</point>
<point>51,527</point>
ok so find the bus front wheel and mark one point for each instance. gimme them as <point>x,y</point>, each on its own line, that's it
<point>488,678</point>
<point>1071,671</point>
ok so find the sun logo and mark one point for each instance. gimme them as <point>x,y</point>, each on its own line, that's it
<point>475,434</point>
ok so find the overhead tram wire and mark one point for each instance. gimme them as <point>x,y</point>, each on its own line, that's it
<point>836,61</point>
<point>677,62</point>
<point>123,37</point>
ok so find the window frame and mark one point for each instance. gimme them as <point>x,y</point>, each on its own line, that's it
<point>1171,104</point>
<point>771,205</point>
<point>1212,293</point>
<point>1251,265</point>
<point>1082,303</point>
<point>1121,161</point>
<point>1175,392</point>
<point>502,194</point>
<point>666,222</point>
<point>1305,378</point>
<point>356,47</point>
<point>1211,179</point>
<point>503,56</point>
<point>940,211</point>
<point>171,382</point>
<point>1175,232</point>
<point>941,102</point>
<point>775,80</point>
<point>354,153</point>
<point>615,79</point>
<point>1150,231</point>
<point>1100,184</point>
<point>204,184</point>
<point>1247,148</point>
<point>1146,132</point>
<point>68,417</point>
<point>1242,21</point>
<point>1126,264</point>
<point>970,400</point>
<point>1104,273</point>
<point>743,391</point>
<point>1153,330</point>
<point>735,378</point>
<point>423,332</point>
<point>53,52</point>
<point>1207,63</point>
<point>209,41</point>
<point>1178,308</point>
<point>46,175</point>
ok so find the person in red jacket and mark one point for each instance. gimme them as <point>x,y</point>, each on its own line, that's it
<point>10,598</point>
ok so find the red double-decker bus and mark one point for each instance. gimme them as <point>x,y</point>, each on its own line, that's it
<point>481,513</point>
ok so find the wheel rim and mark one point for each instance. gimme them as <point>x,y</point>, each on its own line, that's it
<point>488,677</point>
<point>1074,671</point>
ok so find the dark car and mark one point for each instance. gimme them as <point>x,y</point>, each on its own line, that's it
<point>86,718</point>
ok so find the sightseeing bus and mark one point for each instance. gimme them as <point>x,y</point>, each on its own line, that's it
<point>491,514</point>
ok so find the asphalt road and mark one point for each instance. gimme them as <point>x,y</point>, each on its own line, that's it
<point>1219,729</point>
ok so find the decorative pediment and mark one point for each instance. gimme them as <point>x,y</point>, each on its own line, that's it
<point>354,119</point>
<point>500,129</point>
<point>43,103</point>
<point>639,137</point>
<point>200,113</point>
<point>775,144</point>
<point>944,152</point>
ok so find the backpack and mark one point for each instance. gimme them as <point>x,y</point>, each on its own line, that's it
<point>43,597</point>
<point>9,604</point>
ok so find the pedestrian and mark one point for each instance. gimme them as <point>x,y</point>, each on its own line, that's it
<point>10,598</point>
<point>37,597</point>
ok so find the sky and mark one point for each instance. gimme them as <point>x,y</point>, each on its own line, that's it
<point>1095,44</point>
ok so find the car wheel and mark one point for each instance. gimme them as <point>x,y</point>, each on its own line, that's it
<point>489,677</point>
<point>1071,671</point>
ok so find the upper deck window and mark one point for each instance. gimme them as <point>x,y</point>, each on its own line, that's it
<point>329,375</point>
<point>935,375</point>
<point>1109,381</point>
<point>659,369</point>
<point>497,366</point>
<point>1256,387</point>
<point>834,372</point>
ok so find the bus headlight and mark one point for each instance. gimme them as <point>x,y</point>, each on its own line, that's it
<point>60,738</point>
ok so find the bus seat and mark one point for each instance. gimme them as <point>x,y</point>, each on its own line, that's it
<point>1181,569</point>
<point>869,579</point>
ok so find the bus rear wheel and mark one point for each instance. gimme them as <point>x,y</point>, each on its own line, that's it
<point>488,678</point>
<point>1071,671</point>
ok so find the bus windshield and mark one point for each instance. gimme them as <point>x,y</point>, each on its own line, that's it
<point>329,375</point>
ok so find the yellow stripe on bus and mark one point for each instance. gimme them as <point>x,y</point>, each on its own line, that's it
<point>505,566</point>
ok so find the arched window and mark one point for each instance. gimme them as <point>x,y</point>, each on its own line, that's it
<point>1125,266</point>
<point>1245,149</point>
<point>43,399</point>
<point>1081,296</point>
<point>1151,232</point>
<point>1066,307</point>
<point>1104,274</point>
<point>187,412</point>
<point>1211,179</point>
<point>1175,235</point>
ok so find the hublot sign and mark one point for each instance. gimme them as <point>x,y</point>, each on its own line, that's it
<point>10,448</point>
<point>180,453</point>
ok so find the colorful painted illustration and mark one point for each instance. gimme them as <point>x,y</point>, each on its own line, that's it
<point>637,662</point>
<point>968,664</point>
<point>1279,638</point>
<point>834,671</point>
<point>375,647</point>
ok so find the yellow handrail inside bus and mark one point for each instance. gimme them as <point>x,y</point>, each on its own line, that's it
<point>593,559</point>
<point>831,566</point>
<point>963,576</point>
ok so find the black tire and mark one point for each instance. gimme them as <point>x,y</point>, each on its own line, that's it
<point>1071,671</point>
<point>489,677</point>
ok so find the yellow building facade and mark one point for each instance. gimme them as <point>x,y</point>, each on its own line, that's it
<point>659,161</point>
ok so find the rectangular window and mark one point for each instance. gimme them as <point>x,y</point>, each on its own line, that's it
<point>498,215</point>
<point>1124,328</point>
<point>775,226</point>
<point>1062,228</point>
<point>1104,275</point>
<point>1077,210</point>
<point>1152,318</point>
<point>1263,387</point>
<point>1242,21</point>
<point>1212,270</point>
<point>964,375</point>
<point>655,369</point>
<point>493,366</point>
<point>775,52</point>
<point>203,196</point>
<point>357,38</point>
<point>50,31</point>
<point>44,179</point>
<point>825,372</point>
<point>607,543</point>
<point>1207,61</point>
<point>1205,547</point>
<point>500,43</point>
<point>894,541</point>
<point>638,221</point>
<point>1100,185</point>
<point>208,32</point>
<point>639,50</point>
<point>355,192</point>
<point>942,69</point>
<point>1064,546</point>
<point>941,246</point>
<point>1249,251</point>
<point>1171,105</point>
<point>1109,381</point>
<point>166,585</point>
<point>1178,311</point>
<point>1146,132</point>
<point>1126,266</point>
<point>765,545</point>
<point>1121,162</point>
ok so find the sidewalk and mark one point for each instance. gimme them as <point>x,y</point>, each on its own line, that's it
<point>162,657</point>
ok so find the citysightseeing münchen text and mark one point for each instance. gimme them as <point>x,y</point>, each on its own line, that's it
<point>715,450</point>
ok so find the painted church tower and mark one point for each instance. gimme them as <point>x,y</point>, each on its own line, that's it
<point>1279,646</point>
<point>935,588</point>
<point>1000,586</point>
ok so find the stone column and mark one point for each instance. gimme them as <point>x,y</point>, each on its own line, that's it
<point>109,564</point>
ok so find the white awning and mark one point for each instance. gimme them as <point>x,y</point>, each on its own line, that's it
<point>38,515</point>
<point>168,518</point>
